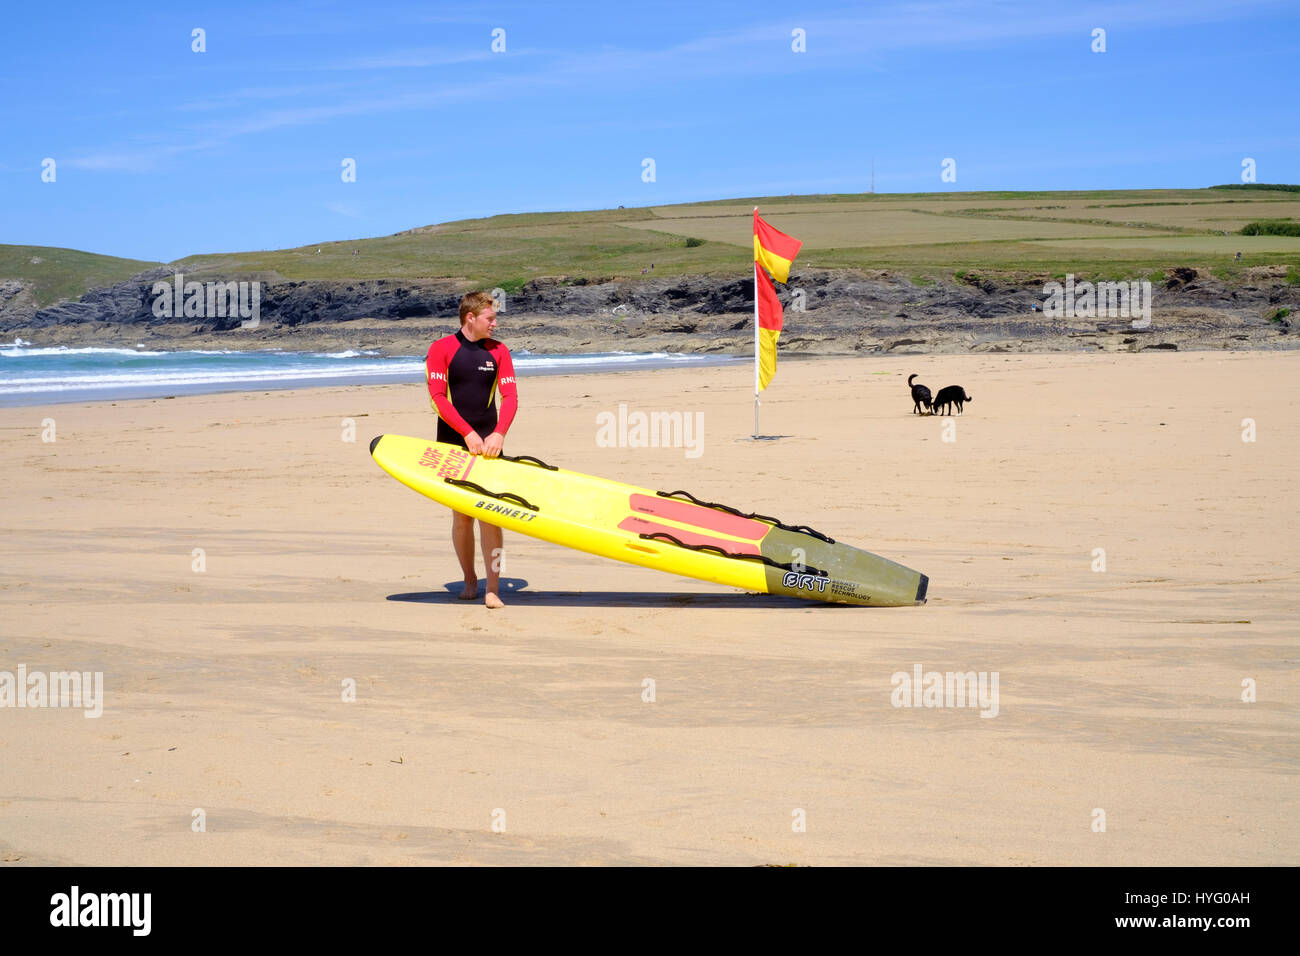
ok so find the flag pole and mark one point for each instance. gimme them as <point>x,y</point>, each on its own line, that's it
<point>756,347</point>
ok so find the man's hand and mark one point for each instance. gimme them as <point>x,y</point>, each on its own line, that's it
<point>492,445</point>
<point>475,444</point>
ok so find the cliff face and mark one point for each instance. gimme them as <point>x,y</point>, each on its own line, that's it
<point>17,304</point>
<point>285,303</point>
<point>842,312</point>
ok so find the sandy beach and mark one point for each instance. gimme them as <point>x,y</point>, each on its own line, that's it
<point>1120,690</point>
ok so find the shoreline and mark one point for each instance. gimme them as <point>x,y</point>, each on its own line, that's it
<point>281,381</point>
<point>636,364</point>
<point>743,382</point>
<point>1185,329</point>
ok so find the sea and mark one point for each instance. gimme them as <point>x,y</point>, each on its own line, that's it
<point>35,375</point>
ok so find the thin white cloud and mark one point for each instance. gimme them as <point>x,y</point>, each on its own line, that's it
<point>351,210</point>
<point>237,98</point>
<point>850,41</point>
<point>140,159</point>
<point>421,58</point>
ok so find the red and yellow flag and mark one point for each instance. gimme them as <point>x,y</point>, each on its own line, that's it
<point>775,252</point>
<point>769,325</point>
<point>774,249</point>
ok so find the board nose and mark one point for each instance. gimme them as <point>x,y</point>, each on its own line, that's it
<point>373,442</point>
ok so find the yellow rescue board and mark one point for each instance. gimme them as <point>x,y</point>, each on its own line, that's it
<point>670,532</point>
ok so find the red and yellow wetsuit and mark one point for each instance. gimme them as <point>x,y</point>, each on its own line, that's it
<point>464,378</point>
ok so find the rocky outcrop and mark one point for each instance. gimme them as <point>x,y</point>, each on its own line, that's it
<point>125,303</point>
<point>17,303</point>
<point>827,311</point>
<point>284,303</point>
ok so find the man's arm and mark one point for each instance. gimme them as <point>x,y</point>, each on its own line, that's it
<point>435,366</point>
<point>505,384</point>
<point>507,387</point>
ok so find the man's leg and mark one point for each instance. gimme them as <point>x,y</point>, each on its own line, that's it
<point>462,536</point>
<point>493,555</point>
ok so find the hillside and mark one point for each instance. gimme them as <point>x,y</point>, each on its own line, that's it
<point>47,274</point>
<point>1107,234</point>
<point>967,263</point>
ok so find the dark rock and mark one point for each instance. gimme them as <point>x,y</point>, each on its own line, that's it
<point>849,310</point>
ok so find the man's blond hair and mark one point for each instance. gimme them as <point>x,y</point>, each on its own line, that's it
<point>474,302</point>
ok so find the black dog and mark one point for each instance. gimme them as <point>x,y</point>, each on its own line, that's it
<point>920,398</point>
<point>953,394</point>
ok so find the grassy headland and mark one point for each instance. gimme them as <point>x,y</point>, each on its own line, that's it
<point>53,275</point>
<point>1102,234</point>
<point>1106,234</point>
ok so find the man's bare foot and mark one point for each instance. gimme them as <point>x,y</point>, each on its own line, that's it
<point>470,592</point>
<point>491,600</point>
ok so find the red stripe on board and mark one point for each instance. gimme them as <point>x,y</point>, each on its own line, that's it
<point>701,517</point>
<point>641,526</point>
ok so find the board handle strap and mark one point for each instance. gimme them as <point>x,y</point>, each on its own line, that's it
<point>499,495</point>
<point>761,558</point>
<point>775,522</point>
<point>529,460</point>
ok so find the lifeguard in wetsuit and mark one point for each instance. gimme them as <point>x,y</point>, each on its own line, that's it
<point>465,372</point>
<point>464,378</point>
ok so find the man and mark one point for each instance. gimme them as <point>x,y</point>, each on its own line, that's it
<point>465,371</point>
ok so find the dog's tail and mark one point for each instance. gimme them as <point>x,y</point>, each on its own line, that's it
<point>910,377</point>
<point>967,398</point>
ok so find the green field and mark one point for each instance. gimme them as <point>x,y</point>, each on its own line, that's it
<point>1100,234</point>
<point>1106,234</point>
<point>57,274</point>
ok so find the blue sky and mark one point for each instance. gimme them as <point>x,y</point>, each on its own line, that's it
<point>163,152</point>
